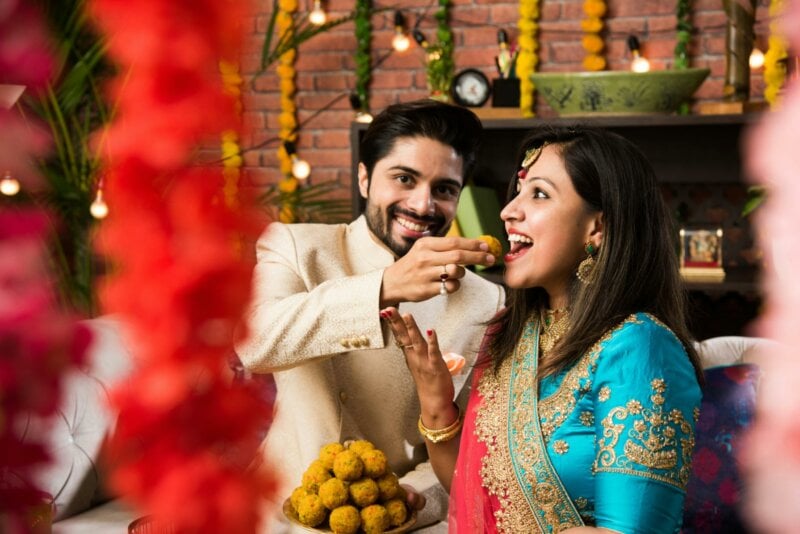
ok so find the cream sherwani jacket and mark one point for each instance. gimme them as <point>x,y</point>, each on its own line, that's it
<point>314,323</point>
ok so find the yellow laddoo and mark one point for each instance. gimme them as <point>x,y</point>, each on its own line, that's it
<point>360,445</point>
<point>374,463</point>
<point>311,511</point>
<point>495,248</point>
<point>388,485</point>
<point>315,475</point>
<point>398,513</point>
<point>328,452</point>
<point>348,466</point>
<point>364,492</point>
<point>333,493</point>
<point>374,519</point>
<point>298,492</point>
<point>345,520</point>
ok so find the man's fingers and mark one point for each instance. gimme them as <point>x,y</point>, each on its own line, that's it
<point>443,244</point>
<point>416,501</point>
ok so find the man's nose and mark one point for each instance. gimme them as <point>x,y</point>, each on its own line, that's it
<point>421,201</point>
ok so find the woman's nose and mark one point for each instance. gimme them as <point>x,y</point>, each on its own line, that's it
<point>510,211</point>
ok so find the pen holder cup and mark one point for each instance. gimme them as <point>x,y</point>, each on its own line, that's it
<point>505,92</point>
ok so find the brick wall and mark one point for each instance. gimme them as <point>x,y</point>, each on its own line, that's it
<point>325,66</point>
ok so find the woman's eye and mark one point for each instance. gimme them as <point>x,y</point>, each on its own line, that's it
<point>403,179</point>
<point>538,193</point>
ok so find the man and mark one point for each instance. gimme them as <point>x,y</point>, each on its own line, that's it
<point>319,289</point>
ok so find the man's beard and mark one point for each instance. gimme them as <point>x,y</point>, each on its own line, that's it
<point>378,224</point>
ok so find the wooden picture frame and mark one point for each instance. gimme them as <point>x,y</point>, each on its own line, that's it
<point>701,253</point>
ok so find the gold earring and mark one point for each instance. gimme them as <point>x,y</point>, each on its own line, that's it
<point>586,267</point>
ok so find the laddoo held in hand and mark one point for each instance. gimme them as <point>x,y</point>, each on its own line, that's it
<point>495,247</point>
<point>350,489</point>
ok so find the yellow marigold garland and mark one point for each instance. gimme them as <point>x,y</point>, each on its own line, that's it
<point>231,152</point>
<point>287,120</point>
<point>592,43</point>
<point>776,56</point>
<point>527,60</point>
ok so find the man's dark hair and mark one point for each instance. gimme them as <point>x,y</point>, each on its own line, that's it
<point>453,126</point>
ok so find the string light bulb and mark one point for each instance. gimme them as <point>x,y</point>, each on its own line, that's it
<point>756,60</point>
<point>300,167</point>
<point>419,37</point>
<point>99,208</point>
<point>317,17</point>
<point>400,41</point>
<point>639,62</point>
<point>362,115</point>
<point>9,186</point>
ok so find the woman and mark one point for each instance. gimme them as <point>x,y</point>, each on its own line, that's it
<point>584,401</point>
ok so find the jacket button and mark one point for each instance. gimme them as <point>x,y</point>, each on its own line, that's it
<point>364,341</point>
<point>345,342</point>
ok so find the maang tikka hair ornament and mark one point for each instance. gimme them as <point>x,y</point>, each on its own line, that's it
<point>586,267</point>
<point>531,155</point>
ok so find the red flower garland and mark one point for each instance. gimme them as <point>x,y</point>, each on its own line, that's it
<point>185,434</point>
<point>39,343</point>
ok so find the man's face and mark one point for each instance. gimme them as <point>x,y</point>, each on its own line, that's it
<point>413,192</point>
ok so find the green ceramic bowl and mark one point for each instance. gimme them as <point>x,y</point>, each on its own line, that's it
<point>617,92</point>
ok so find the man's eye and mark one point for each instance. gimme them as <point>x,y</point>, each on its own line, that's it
<point>403,179</point>
<point>446,191</point>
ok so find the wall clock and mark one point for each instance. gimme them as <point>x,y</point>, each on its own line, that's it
<point>471,88</point>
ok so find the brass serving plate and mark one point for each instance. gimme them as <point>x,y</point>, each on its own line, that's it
<point>291,515</point>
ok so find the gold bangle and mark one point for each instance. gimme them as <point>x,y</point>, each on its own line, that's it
<point>440,435</point>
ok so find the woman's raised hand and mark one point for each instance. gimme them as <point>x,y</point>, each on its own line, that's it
<point>428,369</point>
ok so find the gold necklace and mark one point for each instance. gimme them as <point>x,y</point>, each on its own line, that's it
<point>554,325</point>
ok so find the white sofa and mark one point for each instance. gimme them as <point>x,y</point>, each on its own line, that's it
<point>76,435</point>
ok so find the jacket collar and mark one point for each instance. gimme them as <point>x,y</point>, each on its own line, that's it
<point>362,242</point>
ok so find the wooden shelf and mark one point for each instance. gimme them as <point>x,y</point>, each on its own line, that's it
<point>742,280</point>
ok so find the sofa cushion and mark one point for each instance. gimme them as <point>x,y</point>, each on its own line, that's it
<point>714,492</point>
<point>76,434</point>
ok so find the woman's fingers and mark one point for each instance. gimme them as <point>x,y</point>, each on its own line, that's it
<point>396,324</point>
<point>414,335</point>
<point>434,353</point>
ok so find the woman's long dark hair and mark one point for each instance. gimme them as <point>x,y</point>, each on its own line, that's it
<point>636,267</point>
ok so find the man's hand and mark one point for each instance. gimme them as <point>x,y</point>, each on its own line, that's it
<point>417,276</point>
<point>415,501</point>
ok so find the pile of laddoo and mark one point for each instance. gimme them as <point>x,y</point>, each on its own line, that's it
<point>350,489</point>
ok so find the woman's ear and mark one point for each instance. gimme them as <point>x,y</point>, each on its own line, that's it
<point>363,180</point>
<point>596,228</point>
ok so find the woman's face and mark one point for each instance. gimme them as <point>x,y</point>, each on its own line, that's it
<point>548,225</point>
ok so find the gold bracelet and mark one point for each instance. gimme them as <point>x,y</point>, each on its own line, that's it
<point>440,435</point>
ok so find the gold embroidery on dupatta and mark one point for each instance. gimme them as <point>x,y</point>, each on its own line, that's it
<point>497,472</point>
<point>554,510</point>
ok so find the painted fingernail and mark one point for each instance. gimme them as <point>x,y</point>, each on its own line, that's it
<point>383,315</point>
<point>430,332</point>
<point>388,313</point>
